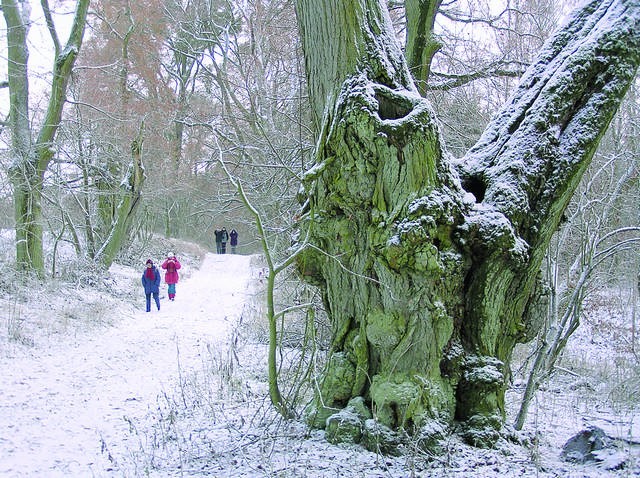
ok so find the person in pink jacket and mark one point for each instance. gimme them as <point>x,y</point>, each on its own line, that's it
<point>171,265</point>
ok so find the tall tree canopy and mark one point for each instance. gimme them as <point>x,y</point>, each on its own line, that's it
<point>429,264</point>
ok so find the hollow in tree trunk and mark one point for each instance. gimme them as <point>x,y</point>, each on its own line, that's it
<point>429,265</point>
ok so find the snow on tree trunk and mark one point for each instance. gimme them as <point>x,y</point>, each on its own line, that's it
<point>429,265</point>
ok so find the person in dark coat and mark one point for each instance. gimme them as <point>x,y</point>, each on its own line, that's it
<point>234,240</point>
<point>218,234</point>
<point>171,265</point>
<point>224,238</point>
<point>151,284</point>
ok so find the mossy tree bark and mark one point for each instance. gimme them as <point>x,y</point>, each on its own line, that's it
<point>429,265</point>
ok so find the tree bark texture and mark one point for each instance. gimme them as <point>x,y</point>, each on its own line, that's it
<point>429,265</point>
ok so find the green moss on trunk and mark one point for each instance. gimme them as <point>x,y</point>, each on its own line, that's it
<point>416,290</point>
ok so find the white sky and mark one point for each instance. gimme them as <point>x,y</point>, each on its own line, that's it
<point>40,48</point>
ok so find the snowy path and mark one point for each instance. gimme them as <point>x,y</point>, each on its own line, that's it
<point>58,405</point>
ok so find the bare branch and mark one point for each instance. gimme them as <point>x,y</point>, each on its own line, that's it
<point>51,26</point>
<point>498,69</point>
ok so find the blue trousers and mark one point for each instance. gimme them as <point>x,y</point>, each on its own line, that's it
<point>156,297</point>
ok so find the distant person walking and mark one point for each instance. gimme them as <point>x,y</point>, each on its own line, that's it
<point>151,284</point>
<point>218,234</point>
<point>171,265</point>
<point>234,240</point>
<point>224,238</point>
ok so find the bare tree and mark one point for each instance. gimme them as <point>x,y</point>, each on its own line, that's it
<point>598,244</point>
<point>32,147</point>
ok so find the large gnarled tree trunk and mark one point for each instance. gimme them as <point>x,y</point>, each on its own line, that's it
<point>429,265</point>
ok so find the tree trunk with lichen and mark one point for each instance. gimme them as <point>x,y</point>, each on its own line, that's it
<point>429,265</point>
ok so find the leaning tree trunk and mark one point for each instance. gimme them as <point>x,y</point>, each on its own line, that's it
<point>127,197</point>
<point>429,266</point>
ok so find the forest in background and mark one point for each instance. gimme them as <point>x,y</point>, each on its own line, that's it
<point>205,83</point>
<point>208,80</point>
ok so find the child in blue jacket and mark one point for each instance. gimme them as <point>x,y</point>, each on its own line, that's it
<point>151,284</point>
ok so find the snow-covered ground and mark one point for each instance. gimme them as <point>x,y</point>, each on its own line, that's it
<point>93,386</point>
<point>66,404</point>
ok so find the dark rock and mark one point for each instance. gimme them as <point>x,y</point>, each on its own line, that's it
<point>581,447</point>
